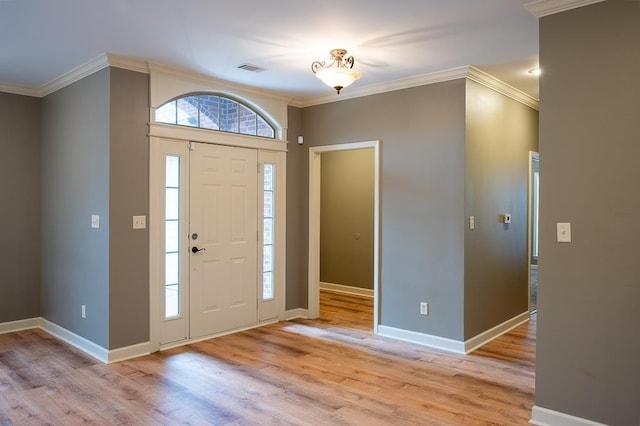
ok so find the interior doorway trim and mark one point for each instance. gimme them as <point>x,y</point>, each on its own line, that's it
<point>314,224</point>
<point>533,156</point>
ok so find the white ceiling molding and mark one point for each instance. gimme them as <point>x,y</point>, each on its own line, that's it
<point>499,86</point>
<point>132,64</point>
<point>469,72</point>
<point>126,63</point>
<point>96,64</point>
<point>374,89</point>
<point>76,74</point>
<point>542,8</point>
<point>19,90</point>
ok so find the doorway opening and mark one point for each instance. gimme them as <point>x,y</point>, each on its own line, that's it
<point>315,218</point>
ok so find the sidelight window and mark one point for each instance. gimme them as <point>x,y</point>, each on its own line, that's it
<point>268,253</point>
<point>172,237</point>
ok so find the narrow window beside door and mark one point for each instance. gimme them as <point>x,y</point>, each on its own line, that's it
<point>172,237</point>
<point>268,233</point>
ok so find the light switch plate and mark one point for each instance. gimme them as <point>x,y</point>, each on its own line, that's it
<point>139,222</point>
<point>472,222</point>
<point>564,232</point>
<point>95,221</point>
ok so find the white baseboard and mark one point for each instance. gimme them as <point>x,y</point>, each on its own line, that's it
<point>429,340</point>
<point>26,324</point>
<point>129,352</point>
<point>85,345</point>
<point>347,289</point>
<point>98,352</point>
<point>497,331</point>
<point>451,345</point>
<point>545,417</point>
<point>296,313</point>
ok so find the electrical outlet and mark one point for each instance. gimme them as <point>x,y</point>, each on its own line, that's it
<point>139,222</point>
<point>84,311</point>
<point>424,308</point>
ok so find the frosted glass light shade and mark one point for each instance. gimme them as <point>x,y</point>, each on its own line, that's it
<point>338,77</point>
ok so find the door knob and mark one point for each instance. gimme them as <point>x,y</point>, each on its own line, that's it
<point>195,249</point>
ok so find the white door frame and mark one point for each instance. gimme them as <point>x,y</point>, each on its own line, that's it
<point>314,224</point>
<point>532,156</point>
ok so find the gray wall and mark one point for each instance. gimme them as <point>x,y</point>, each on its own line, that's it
<point>20,211</point>
<point>422,133</point>
<point>75,185</point>
<point>346,218</point>
<point>297,212</point>
<point>128,196</point>
<point>500,134</point>
<point>589,291</point>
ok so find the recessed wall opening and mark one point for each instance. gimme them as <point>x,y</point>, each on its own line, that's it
<point>344,233</point>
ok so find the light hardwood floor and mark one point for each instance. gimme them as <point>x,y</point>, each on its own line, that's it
<point>330,371</point>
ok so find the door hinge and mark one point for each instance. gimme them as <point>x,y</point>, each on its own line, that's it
<point>192,146</point>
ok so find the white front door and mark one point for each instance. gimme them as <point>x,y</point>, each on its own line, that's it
<point>216,201</point>
<point>223,239</point>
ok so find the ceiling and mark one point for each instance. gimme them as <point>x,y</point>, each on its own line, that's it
<point>40,40</point>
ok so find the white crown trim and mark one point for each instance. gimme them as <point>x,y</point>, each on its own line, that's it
<point>96,64</point>
<point>19,90</point>
<point>469,72</point>
<point>76,74</point>
<point>374,89</point>
<point>542,8</point>
<point>501,87</point>
<point>127,63</point>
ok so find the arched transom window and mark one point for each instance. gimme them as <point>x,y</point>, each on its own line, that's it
<point>214,112</point>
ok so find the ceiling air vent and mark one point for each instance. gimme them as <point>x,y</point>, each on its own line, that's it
<point>249,67</point>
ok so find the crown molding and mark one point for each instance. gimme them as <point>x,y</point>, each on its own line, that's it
<point>127,63</point>
<point>542,8</point>
<point>19,90</point>
<point>96,64</point>
<point>469,72</point>
<point>500,86</point>
<point>374,89</point>
<point>76,74</point>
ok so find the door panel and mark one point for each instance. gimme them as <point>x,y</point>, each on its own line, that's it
<point>223,213</point>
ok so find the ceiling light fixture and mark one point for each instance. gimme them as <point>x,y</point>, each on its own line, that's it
<point>339,72</point>
<point>535,71</point>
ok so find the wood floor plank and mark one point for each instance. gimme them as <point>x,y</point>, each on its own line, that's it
<point>332,370</point>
